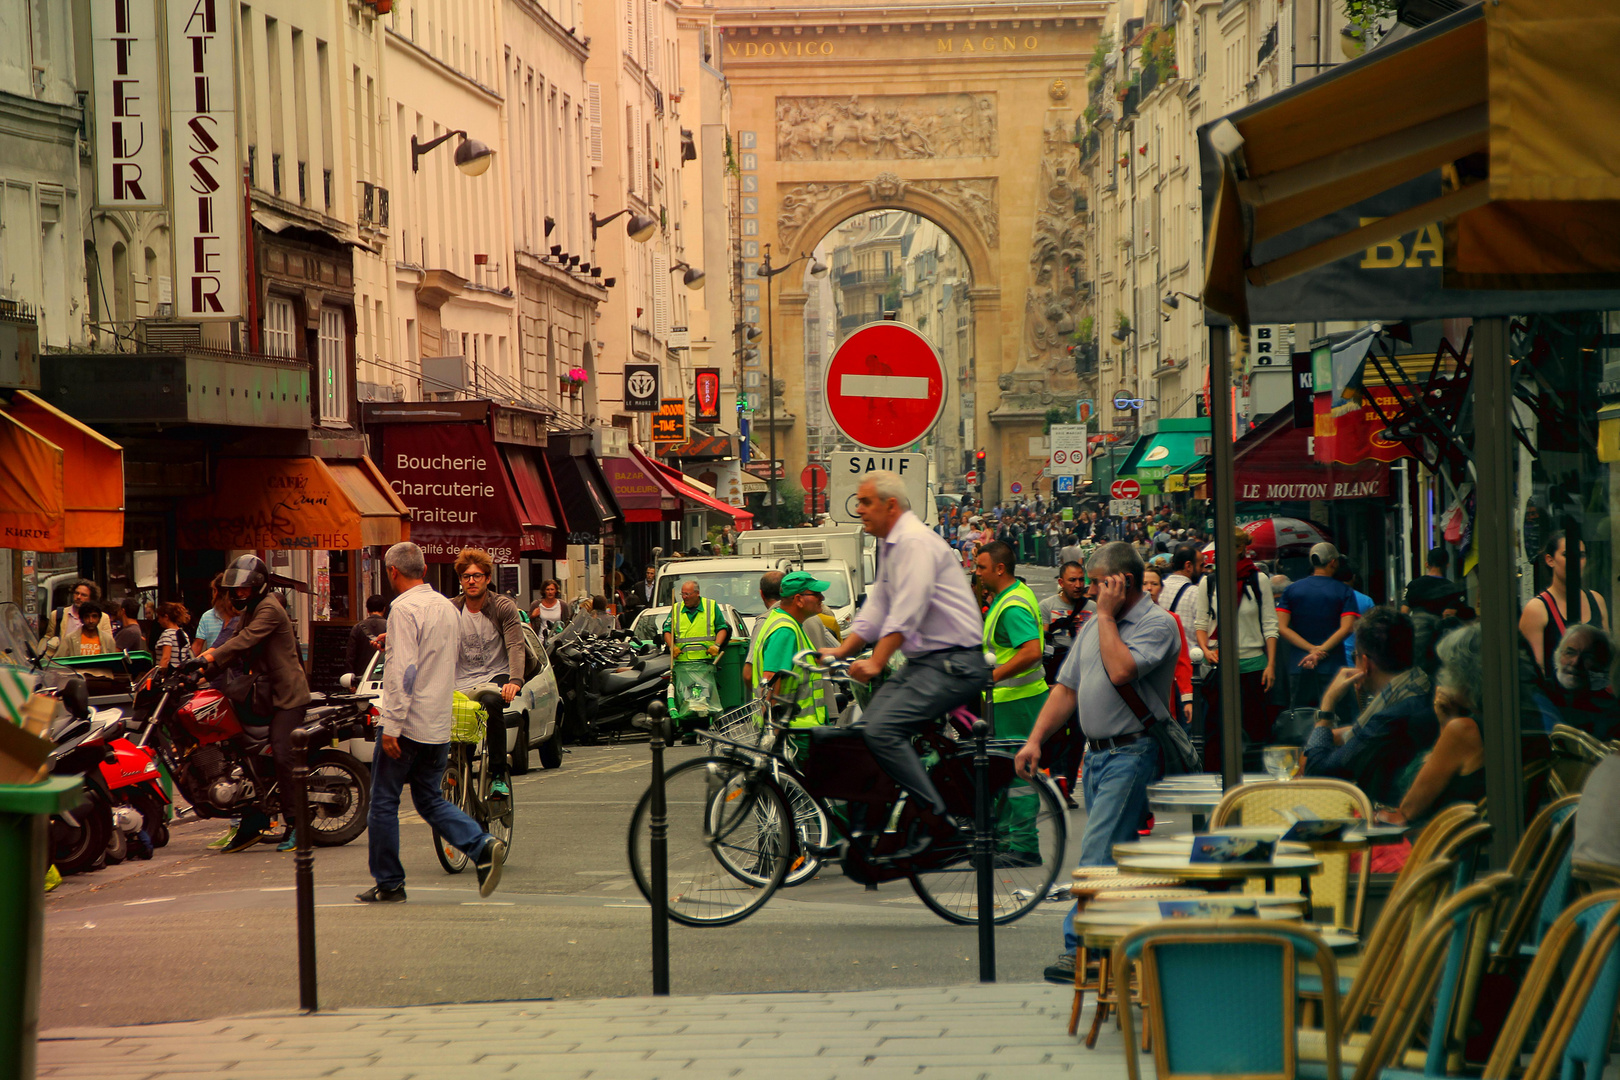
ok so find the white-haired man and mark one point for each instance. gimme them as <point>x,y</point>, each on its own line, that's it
<point>922,606</point>
<point>419,682</point>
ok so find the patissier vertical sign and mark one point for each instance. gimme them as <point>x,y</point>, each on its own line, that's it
<point>128,103</point>
<point>207,183</point>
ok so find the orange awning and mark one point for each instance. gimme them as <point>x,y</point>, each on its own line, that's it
<point>93,467</point>
<point>31,514</point>
<point>295,503</point>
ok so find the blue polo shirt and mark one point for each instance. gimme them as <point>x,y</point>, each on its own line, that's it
<point>1315,605</point>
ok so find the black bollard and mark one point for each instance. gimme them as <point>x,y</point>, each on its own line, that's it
<point>660,854</point>
<point>984,851</point>
<point>304,868</point>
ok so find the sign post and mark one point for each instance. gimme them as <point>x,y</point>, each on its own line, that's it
<point>885,386</point>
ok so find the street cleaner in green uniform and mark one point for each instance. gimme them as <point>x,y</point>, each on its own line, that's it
<point>778,639</point>
<point>1012,630</point>
<point>695,633</point>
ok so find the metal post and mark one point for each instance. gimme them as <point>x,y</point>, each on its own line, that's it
<point>660,855</point>
<point>1498,605</point>
<point>984,846</point>
<point>770,390</point>
<point>304,869</point>
<point>1224,490</point>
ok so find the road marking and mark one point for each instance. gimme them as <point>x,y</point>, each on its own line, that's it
<point>905,387</point>
<point>489,903</point>
<point>280,888</point>
<point>153,900</point>
<point>623,766</point>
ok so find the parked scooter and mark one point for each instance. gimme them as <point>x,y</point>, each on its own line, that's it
<point>123,811</point>
<point>606,683</point>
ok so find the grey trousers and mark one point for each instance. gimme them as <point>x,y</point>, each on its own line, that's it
<point>913,702</point>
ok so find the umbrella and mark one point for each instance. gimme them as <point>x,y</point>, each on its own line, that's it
<point>1270,537</point>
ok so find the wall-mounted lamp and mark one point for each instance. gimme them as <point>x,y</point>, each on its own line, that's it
<point>639,228</point>
<point>693,276</point>
<point>473,157</point>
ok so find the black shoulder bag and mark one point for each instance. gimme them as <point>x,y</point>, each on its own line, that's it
<point>1175,745</point>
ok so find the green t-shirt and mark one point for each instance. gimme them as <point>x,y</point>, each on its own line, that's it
<point>779,651</point>
<point>1015,626</point>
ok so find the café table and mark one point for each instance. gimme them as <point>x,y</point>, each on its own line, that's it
<point>1129,857</point>
<point>1197,794</point>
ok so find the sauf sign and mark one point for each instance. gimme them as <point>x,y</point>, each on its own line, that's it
<point>205,185</point>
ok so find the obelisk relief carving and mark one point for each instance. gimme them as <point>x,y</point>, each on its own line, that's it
<point>885,127</point>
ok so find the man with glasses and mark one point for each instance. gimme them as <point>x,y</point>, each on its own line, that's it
<point>491,660</point>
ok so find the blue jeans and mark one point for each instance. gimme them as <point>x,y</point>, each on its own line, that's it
<point>1115,785</point>
<point>422,766</point>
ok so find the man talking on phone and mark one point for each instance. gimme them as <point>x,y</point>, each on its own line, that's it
<point>1120,672</point>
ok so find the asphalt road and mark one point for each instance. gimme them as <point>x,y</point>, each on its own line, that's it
<point>195,933</point>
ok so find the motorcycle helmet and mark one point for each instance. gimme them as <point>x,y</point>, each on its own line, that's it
<point>249,572</point>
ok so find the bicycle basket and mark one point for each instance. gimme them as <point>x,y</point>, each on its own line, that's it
<point>744,724</point>
<point>467,719</point>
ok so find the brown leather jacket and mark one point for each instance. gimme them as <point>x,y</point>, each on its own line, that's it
<point>267,642</point>
<point>502,610</point>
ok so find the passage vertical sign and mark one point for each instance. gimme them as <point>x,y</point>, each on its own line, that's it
<point>885,386</point>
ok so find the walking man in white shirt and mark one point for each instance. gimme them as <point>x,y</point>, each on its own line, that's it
<point>419,682</point>
<point>920,605</point>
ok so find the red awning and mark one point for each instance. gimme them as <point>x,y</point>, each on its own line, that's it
<point>539,519</point>
<point>639,489</point>
<point>1276,463</point>
<point>742,518</point>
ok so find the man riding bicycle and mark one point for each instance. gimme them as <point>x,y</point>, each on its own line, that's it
<point>920,605</point>
<point>491,658</point>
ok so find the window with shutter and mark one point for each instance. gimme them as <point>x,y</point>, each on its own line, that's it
<point>333,373</point>
<point>278,327</point>
<point>660,296</point>
<point>639,164</point>
<point>594,115</point>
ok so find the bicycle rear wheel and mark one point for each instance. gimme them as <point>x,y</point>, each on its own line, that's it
<point>1031,832</point>
<point>454,786</point>
<point>723,817</point>
<point>497,825</point>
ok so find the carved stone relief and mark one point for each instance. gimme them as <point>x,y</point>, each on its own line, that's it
<point>885,127</point>
<point>973,197</point>
<point>1057,264</point>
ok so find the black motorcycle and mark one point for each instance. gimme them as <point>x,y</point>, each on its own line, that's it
<point>606,683</point>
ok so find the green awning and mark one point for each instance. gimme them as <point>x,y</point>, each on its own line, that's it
<point>1170,449</point>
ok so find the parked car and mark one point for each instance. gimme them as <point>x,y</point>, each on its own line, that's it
<point>531,716</point>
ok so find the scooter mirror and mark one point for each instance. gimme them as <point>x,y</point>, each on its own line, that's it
<point>347,682</point>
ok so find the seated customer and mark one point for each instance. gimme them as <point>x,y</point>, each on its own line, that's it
<point>1583,697</point>
<point>1454,771</point>
<point>1379,752</point>
<point>1596,853</point>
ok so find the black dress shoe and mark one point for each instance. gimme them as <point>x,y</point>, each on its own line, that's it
<point>379,895</point>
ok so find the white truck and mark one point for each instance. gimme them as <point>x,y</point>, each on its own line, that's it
<point>834,554</point>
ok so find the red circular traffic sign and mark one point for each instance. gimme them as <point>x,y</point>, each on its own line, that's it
<point>1017,488</point>
<point>1125,489</point>
<point>885,386</point>
<point>973,476</point>
<point>813,476</point>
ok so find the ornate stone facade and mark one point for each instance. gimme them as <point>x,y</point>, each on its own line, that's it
<point>973,197</point>
<point>894,127</point>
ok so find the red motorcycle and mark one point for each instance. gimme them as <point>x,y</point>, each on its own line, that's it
<point>124,810</point>
<point>219,754</point>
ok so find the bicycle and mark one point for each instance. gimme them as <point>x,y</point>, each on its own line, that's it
<point>735,833</point>
<point>466,784</point>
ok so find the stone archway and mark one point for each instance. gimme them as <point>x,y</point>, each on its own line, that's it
<point>967,123</point>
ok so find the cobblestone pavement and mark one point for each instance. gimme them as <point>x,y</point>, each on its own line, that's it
<point>956,1033</point>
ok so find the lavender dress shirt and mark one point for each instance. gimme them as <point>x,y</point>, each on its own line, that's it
<point>920,593</point>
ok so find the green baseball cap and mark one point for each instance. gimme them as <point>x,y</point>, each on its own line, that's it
<point>802,582</point>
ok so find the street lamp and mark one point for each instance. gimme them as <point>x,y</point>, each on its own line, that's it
<point>473,156</point>
<point>767,271</point>
<point>1170,303</point>
<point>693,276</point>
<point>639,228</point>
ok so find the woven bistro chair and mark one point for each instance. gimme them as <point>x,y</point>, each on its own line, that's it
<point>1221,992</point>
<point>1546,890</point>
<point>1255,804</point>
<point>1573,1042</point>
<point>1431,995</point>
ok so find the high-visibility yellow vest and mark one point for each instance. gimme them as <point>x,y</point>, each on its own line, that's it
<point>812,709</point>
<point>1026,683</point>
<point>692,643</point>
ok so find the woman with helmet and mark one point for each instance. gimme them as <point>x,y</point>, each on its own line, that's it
<point>267,646</point>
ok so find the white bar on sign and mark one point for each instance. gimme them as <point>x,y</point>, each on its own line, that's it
<point>908,387</point>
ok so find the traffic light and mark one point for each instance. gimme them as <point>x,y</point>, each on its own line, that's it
<point>978,467</point>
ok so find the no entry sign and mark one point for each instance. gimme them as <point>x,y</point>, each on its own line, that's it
<point>1125,489</point>
<point>885,386</point>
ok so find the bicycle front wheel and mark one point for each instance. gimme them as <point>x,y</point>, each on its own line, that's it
<point>811,830</point>
<point>729,841</point>
<point>497,825</point>
<point>454,786</point>
<point>1031,832</point>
